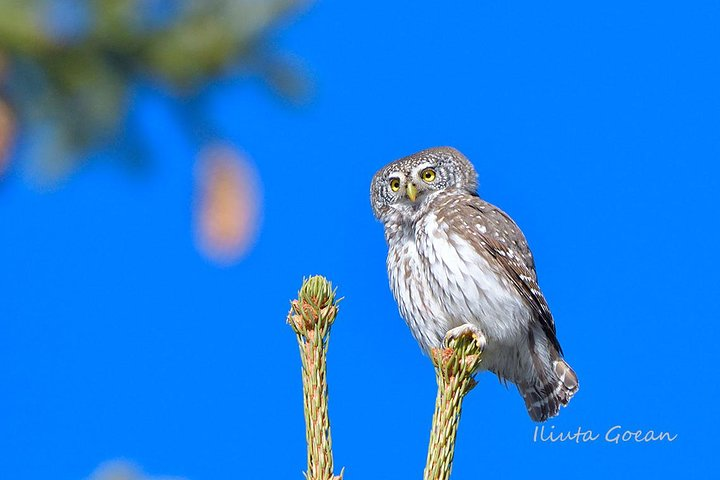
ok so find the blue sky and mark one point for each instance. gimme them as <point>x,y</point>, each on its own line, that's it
<point>595,126</point>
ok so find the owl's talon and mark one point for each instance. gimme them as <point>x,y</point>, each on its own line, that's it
<point>466,329</point>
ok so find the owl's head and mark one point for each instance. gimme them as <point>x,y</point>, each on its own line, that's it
<point>404,186</point>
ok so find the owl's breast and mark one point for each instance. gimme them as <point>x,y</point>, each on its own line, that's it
<point>440,280</point>
<point>418,305</point>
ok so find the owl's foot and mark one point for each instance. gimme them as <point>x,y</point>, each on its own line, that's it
<point>466,329</point>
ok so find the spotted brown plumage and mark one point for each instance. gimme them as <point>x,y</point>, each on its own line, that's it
<point>455,259</point>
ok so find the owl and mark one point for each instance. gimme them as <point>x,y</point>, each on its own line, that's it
<point>455,259</point>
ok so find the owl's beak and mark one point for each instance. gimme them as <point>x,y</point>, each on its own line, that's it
<point>411,191</point>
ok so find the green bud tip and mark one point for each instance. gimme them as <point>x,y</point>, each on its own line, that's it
<point>317,290</point>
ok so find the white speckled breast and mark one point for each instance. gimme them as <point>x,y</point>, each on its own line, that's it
<point>440,282</point>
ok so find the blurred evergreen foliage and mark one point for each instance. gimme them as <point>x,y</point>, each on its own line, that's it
<point>66,66</point>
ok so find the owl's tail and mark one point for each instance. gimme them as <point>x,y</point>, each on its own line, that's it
<point>543,400</point>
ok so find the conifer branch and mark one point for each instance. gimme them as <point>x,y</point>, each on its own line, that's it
<point>311,317</point>
<point>455,366</point>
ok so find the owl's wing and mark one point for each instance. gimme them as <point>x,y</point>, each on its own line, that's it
<point>493,231</point>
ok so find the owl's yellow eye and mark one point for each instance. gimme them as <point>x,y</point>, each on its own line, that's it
<point>428,175</point>
<point>395,184</point>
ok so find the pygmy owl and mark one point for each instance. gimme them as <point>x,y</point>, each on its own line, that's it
<point>454,259</point>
